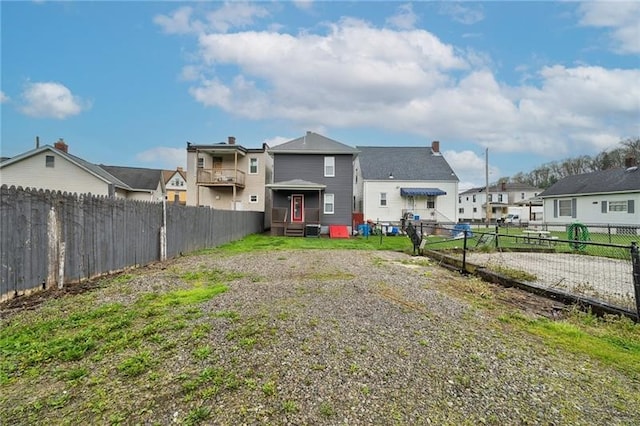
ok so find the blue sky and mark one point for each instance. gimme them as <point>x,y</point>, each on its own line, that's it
<point>129,83</point>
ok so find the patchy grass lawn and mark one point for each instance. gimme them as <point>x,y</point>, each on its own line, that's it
<point>79,360</point>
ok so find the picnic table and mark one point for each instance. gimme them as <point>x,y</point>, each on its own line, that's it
<point>536,236</point>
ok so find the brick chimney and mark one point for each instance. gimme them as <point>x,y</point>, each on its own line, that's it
<point>435,147</point>
<point>61,145</point>
<point>232,140</point>
<point>179,169</point>
<point>503,186</point>
<point>630,161</point>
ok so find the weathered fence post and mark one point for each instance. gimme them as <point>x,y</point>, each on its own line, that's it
<point>635,261</point>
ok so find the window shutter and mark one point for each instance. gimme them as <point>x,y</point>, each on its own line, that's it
<point>555,208</point>
<point>574,205</point>
<point>630,208</point>
<point>604,206</point>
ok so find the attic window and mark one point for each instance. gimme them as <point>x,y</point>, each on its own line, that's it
<point>49,161</point>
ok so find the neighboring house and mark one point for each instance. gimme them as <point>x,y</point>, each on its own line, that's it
<point>175,183</point>
<point>312,185</point>
<point>228,176</point>
<point>398,182</point>
<point>145,184</point>
<point>53,168</point>
<point>504,198</point>
<point>604,197</point>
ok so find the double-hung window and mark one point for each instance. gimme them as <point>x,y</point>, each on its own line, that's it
<point>329,166</point>
<point>253,166</point>
<point>329,206</point>
<point>383,199</point>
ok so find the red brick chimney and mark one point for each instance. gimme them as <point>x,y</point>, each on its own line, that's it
<point>503,186</point>
<point>61,145</point>
<point>232,140</point>
<point>435,147</point>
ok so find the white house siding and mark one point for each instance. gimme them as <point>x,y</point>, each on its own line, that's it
<point>446,205</point>
<point>32,172</point>
<point>467,203</point>
<point>589,210</point>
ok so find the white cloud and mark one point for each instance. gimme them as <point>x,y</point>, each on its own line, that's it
<point>470,167</point>
<point>303,4</point>
<point>164,157</point>
<point>277,140</point>
<point>51,100</point>
<point>622,17</point>
<point>464,14</point>
<point>404,19</point>
<point>4,98</point>
<point>229,15</point>
<point>408,81</point>
<point>179,22</point>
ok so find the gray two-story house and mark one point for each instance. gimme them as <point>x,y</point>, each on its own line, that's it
<point>312,185</point>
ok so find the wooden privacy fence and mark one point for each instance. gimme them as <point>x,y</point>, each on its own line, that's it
<point>52,238</point>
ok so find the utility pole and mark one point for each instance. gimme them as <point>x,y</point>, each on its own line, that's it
<point>486,191</point>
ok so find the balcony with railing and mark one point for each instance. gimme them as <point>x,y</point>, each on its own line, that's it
<point>221,177</point>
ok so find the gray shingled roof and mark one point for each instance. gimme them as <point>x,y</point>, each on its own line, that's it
<point>604,181</point>
<point>405,163</point>
<point>136,177</point>
<point>312,143</point>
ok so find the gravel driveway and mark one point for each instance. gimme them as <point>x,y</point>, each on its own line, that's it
<point>366,338</point>
<point>370,338</point>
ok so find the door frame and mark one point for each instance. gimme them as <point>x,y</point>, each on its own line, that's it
<point>300,218</point>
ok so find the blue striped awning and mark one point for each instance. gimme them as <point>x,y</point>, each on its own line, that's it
<point>413,192</point>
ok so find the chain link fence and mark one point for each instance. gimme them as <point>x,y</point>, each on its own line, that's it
<point>576,262</point>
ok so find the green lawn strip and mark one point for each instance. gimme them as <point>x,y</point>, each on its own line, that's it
<point>111,327</point>
<point>613,341</point>
<point>259,242</point>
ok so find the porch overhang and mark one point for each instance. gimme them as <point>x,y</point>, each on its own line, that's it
<point>296,185</point>
<point>417,192</point>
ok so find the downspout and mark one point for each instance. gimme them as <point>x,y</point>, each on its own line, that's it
<point>235,181</point>
<point>197,186</point>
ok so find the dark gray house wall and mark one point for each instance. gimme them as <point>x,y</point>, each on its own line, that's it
<point>310,167</point>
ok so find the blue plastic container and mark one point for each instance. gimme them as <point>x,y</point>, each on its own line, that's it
<point>363,230</point>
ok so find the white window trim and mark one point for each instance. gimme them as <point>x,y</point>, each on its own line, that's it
<point>50,164</point>
<point>386,200</point>
<point>330,162</point>
<point>622,203</point>
<point>257,166</point>
<point>333,204</point>
<point>560,208</point>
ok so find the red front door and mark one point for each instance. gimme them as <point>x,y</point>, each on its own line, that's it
<point>297,208</point>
